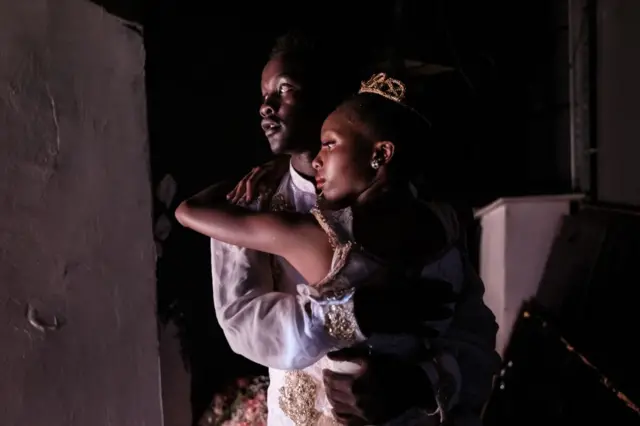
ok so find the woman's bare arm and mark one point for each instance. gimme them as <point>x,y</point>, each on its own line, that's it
<point>294,236</point>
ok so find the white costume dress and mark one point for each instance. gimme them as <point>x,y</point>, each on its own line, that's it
<point>271,318</point>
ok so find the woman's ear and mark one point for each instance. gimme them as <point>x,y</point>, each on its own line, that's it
<point>383,152</point>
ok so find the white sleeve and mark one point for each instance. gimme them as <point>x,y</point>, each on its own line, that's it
<point>275,329</point>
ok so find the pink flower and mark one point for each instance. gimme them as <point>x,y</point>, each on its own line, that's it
<point>242,405</point>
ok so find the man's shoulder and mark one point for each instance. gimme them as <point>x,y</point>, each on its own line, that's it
<point>262,202</point>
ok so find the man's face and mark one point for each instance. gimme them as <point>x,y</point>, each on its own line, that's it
<point>288,119</point>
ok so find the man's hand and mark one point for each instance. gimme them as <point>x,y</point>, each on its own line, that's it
<point>384,388</point>
<point>263,179</point>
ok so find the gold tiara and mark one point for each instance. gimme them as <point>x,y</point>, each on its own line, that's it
<point>382,85</point>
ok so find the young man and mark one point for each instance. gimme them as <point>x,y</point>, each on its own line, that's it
<point>255,294</point>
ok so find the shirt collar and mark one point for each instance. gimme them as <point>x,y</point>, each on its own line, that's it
<point>300,182</point>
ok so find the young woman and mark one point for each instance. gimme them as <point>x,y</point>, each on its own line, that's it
<point>367,227</point>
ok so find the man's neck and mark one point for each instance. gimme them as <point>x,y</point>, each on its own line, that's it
<point>302,163</point>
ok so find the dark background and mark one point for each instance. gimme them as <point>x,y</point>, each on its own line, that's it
<point>204,65</point>
<point>496,117</point>
<point>203,70</point>
<point>75,237</point>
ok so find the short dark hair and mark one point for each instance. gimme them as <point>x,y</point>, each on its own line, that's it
<point>386,120</point>
<point>295,42</point>
<point>333,63</point>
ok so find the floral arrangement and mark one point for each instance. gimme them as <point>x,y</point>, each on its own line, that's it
<point>244,403</point>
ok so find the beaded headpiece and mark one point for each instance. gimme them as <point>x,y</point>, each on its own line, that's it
<point>382,85</point>
<point>390,88</point>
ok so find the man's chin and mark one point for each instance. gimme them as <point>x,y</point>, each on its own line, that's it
<point>277,143</point>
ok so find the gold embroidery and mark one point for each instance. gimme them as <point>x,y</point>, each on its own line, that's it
<point>340,322</point>
<point>341,255</point>
<point>298,398</point>
<point>279,203</point>
<point>333,237</point>
<point>298,395</point>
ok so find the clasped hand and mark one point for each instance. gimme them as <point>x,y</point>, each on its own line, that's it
<point>261,180</point>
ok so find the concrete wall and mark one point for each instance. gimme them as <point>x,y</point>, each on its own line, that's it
<point>75,220</point>
<point>517,235</point>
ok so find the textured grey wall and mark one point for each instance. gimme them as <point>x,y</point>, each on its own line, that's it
<point>75,220</point>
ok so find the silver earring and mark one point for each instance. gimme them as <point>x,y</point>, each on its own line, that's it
<point>375,164</point>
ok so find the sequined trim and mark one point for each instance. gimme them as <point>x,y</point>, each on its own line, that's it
<point>279,203</point>
<point>298,398</point>
<point>333,237</point>
<point>340,322</point>
<point>341,252</point>
<point>298,395</point>
<point>341,255</point>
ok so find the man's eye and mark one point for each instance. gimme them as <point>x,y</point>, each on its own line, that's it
<point>284,88</point>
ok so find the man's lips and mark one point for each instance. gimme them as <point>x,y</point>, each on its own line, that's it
<point>270,127</point>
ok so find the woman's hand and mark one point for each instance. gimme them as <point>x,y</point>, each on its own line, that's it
<point>261,180</point>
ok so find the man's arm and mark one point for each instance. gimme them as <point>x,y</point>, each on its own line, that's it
<point>471,342</point>
<point>457,374</point>
<point>462,372</point>
<point>465,360</point>
<point>389,387</point>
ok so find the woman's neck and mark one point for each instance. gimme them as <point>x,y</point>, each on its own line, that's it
<point>384,196</point>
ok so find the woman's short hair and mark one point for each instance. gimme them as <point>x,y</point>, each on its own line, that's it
<point>387,120</point>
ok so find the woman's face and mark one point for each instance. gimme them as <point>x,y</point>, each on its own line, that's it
<point>343,164</point>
